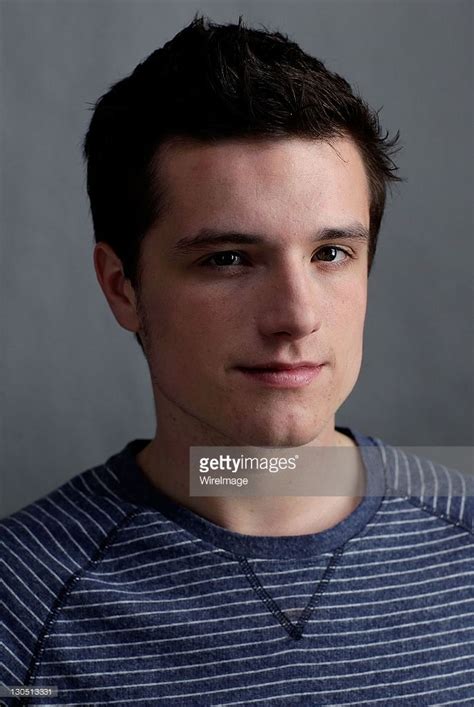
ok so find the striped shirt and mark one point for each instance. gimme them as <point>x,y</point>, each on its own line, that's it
<point>115,594</point>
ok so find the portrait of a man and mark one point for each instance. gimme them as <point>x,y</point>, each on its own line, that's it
<point>237,188</point>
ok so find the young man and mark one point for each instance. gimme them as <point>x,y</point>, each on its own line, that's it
<point>237,189</point>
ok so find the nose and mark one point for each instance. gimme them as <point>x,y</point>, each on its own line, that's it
<point>291,300</point>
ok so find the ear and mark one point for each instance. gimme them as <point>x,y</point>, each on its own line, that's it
<point>116,287</point>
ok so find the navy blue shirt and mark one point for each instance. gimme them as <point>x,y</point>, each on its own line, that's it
<point>115,594</point>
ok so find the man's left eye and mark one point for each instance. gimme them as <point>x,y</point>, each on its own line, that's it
<point>332,248</point>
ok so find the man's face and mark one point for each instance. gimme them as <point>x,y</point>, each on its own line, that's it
<point>289,299</point>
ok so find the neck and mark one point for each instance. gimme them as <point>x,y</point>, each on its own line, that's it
<point>262,515</point>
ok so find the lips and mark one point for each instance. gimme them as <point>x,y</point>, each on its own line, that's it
<point>281,366</point>
<point>282,378</point>
<point>280,371</point>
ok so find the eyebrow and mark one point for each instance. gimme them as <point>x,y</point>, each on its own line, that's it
<point>210,237</point>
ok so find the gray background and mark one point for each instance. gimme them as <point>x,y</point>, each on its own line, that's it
<point>75,387</point>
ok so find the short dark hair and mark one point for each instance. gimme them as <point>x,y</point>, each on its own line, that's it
<point>212,82</point>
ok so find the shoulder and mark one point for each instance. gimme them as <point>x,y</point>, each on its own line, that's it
<point>439,489</point>
<point>44,548</point>
<point>72,520</point>
<point>65,530</point>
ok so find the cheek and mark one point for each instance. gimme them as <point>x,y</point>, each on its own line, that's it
<point>350,314</point>
<point>349,298</point>
<point>185,328</point>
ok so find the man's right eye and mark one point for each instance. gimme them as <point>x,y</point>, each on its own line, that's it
<point>220,258</point>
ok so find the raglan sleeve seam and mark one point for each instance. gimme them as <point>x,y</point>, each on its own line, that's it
<point>66,591</point>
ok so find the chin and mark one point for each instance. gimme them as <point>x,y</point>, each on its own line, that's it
<point>281,436</point>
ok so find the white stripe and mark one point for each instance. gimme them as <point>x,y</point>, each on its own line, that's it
<point>401,547</point>
<point>110,472</point>
<point>43,526</point>
<point>294,695</point>
<point>145,513</point>
<point>214,648</point>
<point>70,517</point>
<point>196,569</point>
<point>242,659</point>
<point>15,636</point>
<point>422,484</point>
<point>33,594</point>
<point>312,580</point>
<point>277,626</point>
<point>42,546</point>
<point>64,529</point>
<point>188,609</point>
<point>225,619</point>
<point>416,558</point>
<point>342,567</point>
<point>412,509</point>
<point>344,704</point>
<point>105,486</point>
<point>17,618</point>
<point>457,702</point>
<point>208,678</point>
<point>399,501</point>
<point>75,607</point>
<point>158,548</point>
<point>334,580</point>
<point>14,597</point>
<point>68,498</point>
<point>463,502</point>
<point>364,590</point>
<point>167,562</point>
<point>381,448</point>
<point>15,677</point>
<point>448,506</point>
<point>89,497</point>
<point>140,538</point>
<point>436,485</point>
<point>18,558</point>
<point>430,520</point>
<point>116,506</point>
<point>23,665</point>
<point>407,469</point>
<point>463,493</point>
<point>33,555</point>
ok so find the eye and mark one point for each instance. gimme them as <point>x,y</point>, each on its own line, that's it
<point>220,259</point>
<point>334,249</point>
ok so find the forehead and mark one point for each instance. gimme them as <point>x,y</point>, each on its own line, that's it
<point>263,182</point>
